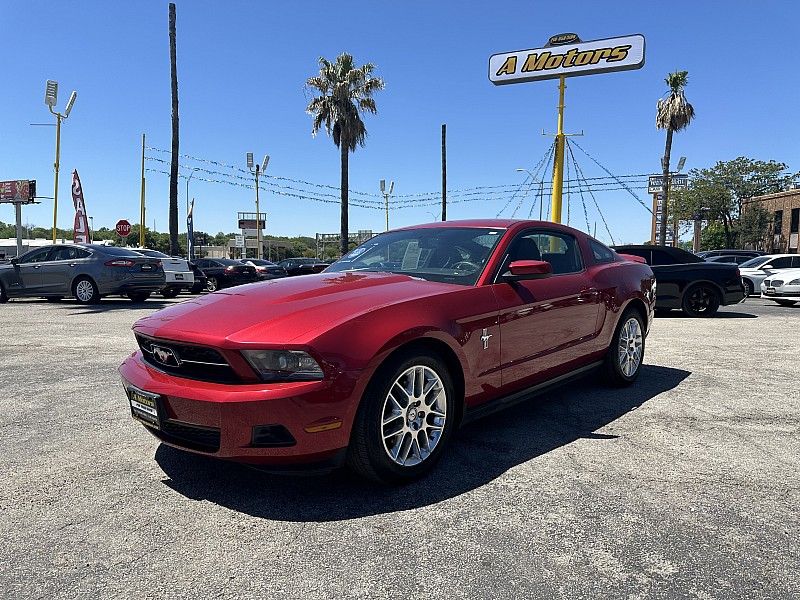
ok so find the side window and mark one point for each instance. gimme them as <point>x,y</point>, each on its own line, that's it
<point>783,262</point>
<point>36,257</point>
<point>559,249</point>
<point>80,253</point>
<point>601,252</point>
<point>65,253</point>
<point>661,258</point>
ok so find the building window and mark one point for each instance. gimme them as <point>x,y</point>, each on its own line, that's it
<point>778,222</point>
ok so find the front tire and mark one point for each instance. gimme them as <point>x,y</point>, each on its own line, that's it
<point>749,289</point>
<point>170,292</point>
<point>701,300</point>
<point>405,420</point>
<point>625,356</point>
<point>85,291</point>
<point>3,295</point>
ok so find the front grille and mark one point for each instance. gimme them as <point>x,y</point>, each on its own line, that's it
<point>194,437</point>
<point>186,360</point>
<point>777,283</point>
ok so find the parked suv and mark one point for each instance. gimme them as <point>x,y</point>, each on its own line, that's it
<point>86,271</point>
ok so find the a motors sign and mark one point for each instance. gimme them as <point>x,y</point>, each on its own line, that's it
<point>571,59</point>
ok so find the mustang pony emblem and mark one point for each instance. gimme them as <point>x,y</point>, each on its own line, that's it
<point>165,356</point>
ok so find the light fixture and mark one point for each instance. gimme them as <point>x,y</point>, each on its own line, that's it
<point>265,163</point>
<point>681,162</point>
<point>51,93</point>
<point>383,185</point>
<point>250,160</point>
<point>70,102</point>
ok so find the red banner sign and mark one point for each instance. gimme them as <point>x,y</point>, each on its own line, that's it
<point>81,233</point>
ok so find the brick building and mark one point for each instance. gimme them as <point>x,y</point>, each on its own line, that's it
<point>784,228</point>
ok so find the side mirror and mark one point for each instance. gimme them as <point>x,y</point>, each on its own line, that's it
<point>766,267</point>
<point>14,261</point>
<point>527,269</point>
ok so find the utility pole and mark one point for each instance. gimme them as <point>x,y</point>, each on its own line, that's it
<point>50,99</point>
<point>558,160</point>
<point>386,193</point>
<point>141,207</point>
<point>257,170</point>
<point>173,168</point>
<point>444,172</point>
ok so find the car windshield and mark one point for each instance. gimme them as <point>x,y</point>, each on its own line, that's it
<point>445,254</point>
<point>151,253</point>
<point>754,262</point>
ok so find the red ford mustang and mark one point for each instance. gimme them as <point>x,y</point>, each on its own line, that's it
<point>377,361</point>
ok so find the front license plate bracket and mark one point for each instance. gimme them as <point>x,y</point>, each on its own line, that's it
<point>145,407</point>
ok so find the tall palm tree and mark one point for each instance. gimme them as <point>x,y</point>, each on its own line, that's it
<point>173,171</point>
<point>345,91</point>
<point>673,113</point>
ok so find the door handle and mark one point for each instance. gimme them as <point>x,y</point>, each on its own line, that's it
<point>72,264</point>
<point>37,266</point>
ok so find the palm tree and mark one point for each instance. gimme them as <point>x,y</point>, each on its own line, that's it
<point>673,113</point>
<point>345,92</point>
<point>173,171</point>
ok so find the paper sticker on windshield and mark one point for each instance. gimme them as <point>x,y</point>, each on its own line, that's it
<point>411,257</point>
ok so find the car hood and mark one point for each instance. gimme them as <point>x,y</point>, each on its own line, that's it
<point>284,310</point>
<point>785,274</point>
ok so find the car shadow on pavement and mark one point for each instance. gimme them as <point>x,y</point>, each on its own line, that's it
<point>678,314</point>
<point>479,453</point>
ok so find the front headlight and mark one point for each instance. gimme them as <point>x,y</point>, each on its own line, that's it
<point>284,365</point>
<point>795,282</point>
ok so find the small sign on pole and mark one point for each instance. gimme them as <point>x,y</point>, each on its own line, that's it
<point>123,228</point>
<point>239,240</point>
<point>655,183</point>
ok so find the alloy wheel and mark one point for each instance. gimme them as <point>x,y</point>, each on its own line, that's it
<point>413,416</point>
<point>84,290</point>
<point>630,347</point>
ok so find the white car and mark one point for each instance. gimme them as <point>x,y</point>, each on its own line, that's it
<point>782,287</point>
<point>176,271</point>
<point>755,270</point>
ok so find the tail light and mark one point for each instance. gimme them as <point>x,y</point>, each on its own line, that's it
<point>119,262</point>
<point>230,268</point>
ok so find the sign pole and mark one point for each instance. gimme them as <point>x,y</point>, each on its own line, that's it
<point>56,165</point>
<point>18,212</point>
<point>558,161</point>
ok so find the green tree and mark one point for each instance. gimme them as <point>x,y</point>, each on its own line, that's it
<point>717,193</point>
<point>345,91</point>
<point>673,113</point>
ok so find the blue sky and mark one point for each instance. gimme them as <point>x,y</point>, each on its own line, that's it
<point>242,66</point>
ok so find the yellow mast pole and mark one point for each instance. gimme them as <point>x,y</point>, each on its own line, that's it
<point>56,166</point>
<point>141,213</point>
<point>558,160</point>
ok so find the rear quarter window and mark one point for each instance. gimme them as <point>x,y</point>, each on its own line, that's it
<point>602,253</point>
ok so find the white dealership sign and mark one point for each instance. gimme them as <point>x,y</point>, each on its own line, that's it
<point>568,56</point>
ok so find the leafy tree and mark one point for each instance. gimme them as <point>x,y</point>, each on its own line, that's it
<point>717,193</point>
<point>673,113</point>
<point>345,91</point>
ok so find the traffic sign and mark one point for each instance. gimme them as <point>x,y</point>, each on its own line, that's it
<point>239,240</point>
<point>676,182</point>
<point>123,228</point>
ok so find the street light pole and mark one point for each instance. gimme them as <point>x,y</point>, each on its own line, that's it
<point>50,99</point>
<point>386,193</point>
<point>257,171</point>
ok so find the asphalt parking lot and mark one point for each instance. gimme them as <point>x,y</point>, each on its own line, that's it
<point>684,485</point>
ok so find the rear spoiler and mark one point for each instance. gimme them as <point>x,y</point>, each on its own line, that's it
<point>632,258</point>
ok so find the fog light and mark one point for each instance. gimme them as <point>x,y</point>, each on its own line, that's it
<point>271,436</point>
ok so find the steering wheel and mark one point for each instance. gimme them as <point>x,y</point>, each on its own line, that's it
<point>470,266</point>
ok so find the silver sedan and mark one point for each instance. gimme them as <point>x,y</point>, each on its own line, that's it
<point>85,271</point>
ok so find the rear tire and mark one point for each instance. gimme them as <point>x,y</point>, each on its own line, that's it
<point>138,296</point>
<point>701,300</point>
<point>625,356</point>
<point>786,302</point>
<point>85,291</point>
<point>170,292</point>
<point>749,289</point>
<point>405,419</point>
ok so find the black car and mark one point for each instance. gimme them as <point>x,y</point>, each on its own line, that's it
<point>264,268</point>
<point>687,282</point>
<point>224,272</point>
<point>303,266</point>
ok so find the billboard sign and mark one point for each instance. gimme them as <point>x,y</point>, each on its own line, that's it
<point>21,190</point>
<point>677,182</point>
<point>567,59</point>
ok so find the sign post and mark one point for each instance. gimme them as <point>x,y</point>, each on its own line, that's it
<point>555,61</point>
<point>18,192</point>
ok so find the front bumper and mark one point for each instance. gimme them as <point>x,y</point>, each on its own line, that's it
<point>216,419</point>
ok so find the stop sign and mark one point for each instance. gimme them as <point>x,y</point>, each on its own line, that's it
<point>123,228</point>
